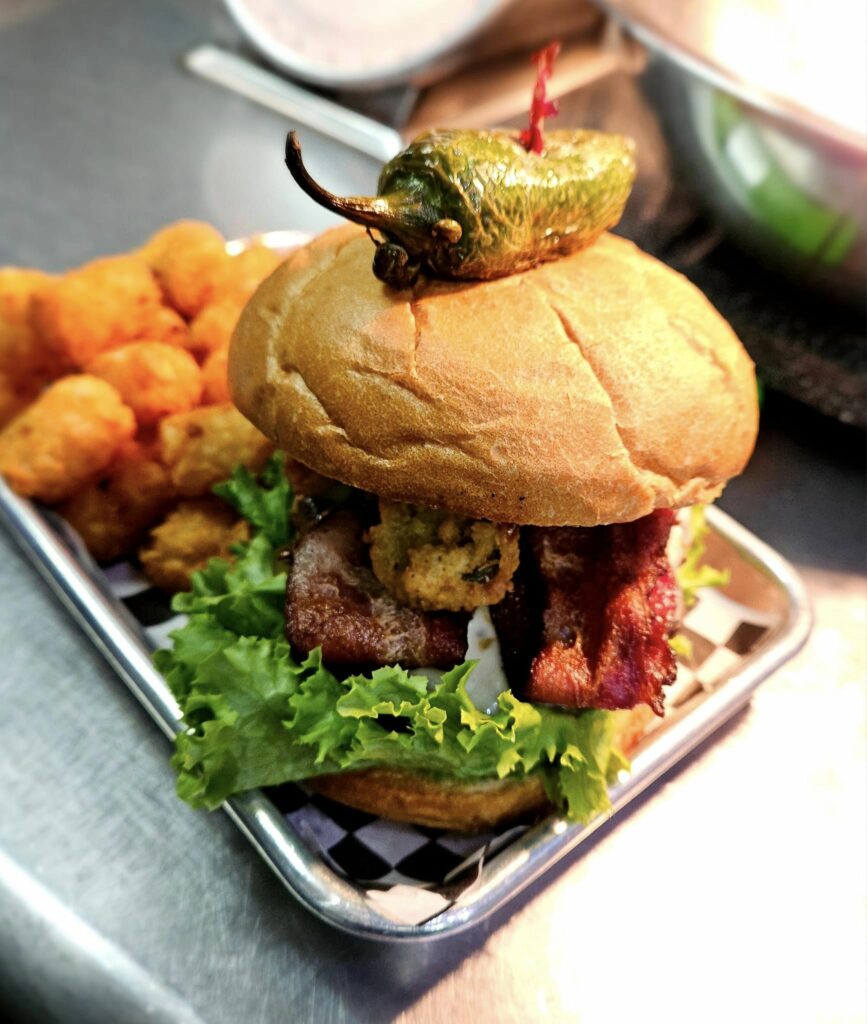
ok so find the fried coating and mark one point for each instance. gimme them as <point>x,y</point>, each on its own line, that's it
<point>23,354</point>
<point>215,377</point>
<point>153,378</point>
<point>194,533</point>
<point>433,560</point>
<point>212,328</point>
<point>243,274</point>
<point>68,436</point>
<point>94,308</point>
<point>186,257</point>
<point>165,324</point>
<point>15,397</point>
<point>202,447</point>
<point>113,514</point>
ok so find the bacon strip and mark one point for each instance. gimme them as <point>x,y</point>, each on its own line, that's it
<point>588,621</point>
<point>334,601</point>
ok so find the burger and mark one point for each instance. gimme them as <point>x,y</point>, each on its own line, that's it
<point>462,613</point>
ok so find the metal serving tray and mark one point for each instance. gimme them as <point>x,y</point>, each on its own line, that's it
<point>778,615</point>
<point>392,882</point>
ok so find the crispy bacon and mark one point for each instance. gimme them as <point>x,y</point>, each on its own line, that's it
<point>333,600</point>
<point>588,621</point>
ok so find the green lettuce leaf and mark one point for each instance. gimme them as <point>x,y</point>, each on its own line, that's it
<point>681,645</point>
<point>693,574</point>
<point>266,502</point>
<point>254,716</point>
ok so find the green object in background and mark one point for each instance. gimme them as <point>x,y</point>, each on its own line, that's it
<point>477,205</point>
<point>796,218</point>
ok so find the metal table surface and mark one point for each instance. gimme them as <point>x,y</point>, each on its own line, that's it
<point>734,890</point>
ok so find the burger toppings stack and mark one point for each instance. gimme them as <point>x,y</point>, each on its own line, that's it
<point>456,598</point>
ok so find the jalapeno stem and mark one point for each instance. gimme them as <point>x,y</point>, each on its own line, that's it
<point>395,215</point>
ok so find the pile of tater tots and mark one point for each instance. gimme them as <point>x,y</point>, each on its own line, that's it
<point>114,402</point>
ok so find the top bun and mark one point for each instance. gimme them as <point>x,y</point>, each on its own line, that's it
<point>592,389</point>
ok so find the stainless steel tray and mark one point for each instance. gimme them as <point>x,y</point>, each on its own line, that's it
<point>772,583</point>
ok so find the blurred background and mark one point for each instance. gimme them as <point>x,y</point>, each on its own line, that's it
<point>749,117</point>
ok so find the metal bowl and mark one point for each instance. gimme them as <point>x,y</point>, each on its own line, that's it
<point>788,185</point>
<point>379,70</point>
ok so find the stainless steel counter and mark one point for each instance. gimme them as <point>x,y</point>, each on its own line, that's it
<point>734,890</point>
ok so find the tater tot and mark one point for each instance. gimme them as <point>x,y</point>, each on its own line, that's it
<point>186,258</point>
<point>66,438</point>
<point>243,273</point>
<point>212,328</point>
<point>194,533</point>
<point>96,307</point>
<point>153,378</point>
<point>23,353</point>
<point>164,324</point>
<point>113,514</point>
<point>203,446</point>
<point>215,378</point>
<point>14,397</point>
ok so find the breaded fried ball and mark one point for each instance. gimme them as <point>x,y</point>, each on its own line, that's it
<point>23,354</point>
<point>113,514</point>
<point>212,328</point>
<point>193,534</point>
<point>434,560</point>
<point>215,378</point>
<point>243,273</point>
<point>152,377</point>
<point>165,324</point>
<point>96,307</point>
<point>66,438</point>
<point>203,446</point>
<point>186,258</point>
<point>14,397</point>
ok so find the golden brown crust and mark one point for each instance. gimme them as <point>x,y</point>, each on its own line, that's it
<point>591,389</point>
<point>462,806</point>
<point>435,803</point>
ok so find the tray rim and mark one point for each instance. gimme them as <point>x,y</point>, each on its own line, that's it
<point>121,640</point>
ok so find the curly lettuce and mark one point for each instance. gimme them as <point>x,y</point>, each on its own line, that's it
<point>693,573</point>
<point>255,716</point>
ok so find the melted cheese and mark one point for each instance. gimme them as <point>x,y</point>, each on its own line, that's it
<point>488,679</point>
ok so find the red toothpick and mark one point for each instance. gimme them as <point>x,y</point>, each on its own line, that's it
<point>541,107</point>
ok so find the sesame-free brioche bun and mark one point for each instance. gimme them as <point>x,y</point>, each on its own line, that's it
<point>436,802</point>
<point>591,389</point>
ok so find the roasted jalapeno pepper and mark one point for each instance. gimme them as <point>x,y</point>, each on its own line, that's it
<point>476,204</point>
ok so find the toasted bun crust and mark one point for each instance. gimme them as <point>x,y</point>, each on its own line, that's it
<point>592,389</point>
<point>435,803</point>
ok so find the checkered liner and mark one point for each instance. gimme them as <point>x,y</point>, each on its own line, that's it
<point>411,873</point>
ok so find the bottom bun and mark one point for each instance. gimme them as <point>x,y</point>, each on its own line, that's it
<point>437,802</point>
